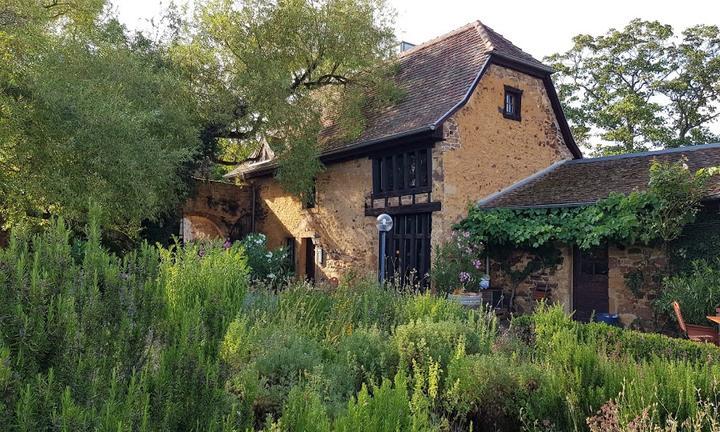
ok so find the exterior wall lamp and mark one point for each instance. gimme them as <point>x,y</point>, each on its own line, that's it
<point>384,224</point>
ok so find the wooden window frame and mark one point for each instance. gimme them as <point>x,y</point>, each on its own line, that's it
<point>391,174</point>
<point>517,97</point>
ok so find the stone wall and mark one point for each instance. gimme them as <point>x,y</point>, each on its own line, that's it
<point>554,285</point>
<point>217,210</point>
<point>483,152</point>
<point>337,224</point>
<point>634,308</point>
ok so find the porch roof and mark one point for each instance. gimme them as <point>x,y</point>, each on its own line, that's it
<point>585,181</point>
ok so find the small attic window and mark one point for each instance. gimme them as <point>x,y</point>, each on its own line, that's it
<point>511,107</point>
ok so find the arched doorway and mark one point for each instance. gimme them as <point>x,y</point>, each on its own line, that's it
<point>196,227</point>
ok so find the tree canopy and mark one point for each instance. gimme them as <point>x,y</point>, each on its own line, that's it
<point>88,114</point>
<point>91,114</point>
<point>273,73</point>
<point>641,87</point>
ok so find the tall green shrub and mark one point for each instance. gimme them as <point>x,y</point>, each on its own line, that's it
<point>388,409</point>
<point>697,292</point>
<point>92,341</point>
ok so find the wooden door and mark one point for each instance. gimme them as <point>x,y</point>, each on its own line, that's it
<point>590,282</point>
<point>309,259</point>
<point>408,249</point>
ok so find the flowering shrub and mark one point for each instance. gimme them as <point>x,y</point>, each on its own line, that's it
<point>458,264</point>
<point>269,266</point>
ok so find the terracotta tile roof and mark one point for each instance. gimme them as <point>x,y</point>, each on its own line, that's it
<point>435,78</point>
<point>584,181</point>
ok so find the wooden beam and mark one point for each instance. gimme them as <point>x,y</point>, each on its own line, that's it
<point>405,209</point>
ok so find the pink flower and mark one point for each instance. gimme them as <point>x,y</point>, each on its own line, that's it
<point>464,277</point>
<point>477,264</point>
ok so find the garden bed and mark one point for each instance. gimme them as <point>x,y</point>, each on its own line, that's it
<point>177,340</point>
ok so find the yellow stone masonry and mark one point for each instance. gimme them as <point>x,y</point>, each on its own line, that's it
<point>482,153</point>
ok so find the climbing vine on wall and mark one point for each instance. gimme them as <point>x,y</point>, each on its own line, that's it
<point>658,214</point>
<point>619,217</point>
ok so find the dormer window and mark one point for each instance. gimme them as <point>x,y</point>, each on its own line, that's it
<point>511,108</point>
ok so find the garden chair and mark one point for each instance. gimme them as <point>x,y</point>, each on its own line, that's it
<point>696,333</point>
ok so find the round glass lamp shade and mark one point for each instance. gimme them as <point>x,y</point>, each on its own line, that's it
<point>384,222</point>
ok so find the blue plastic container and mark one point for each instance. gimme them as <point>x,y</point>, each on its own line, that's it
<point>608,318</point>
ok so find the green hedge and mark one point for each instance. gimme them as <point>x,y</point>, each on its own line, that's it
<point>622,342</point>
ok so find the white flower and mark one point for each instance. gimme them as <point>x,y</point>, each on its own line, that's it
<point>271,275</point>
<point>268,255</point>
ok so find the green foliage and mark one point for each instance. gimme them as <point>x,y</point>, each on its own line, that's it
<point>458,264</point>
<point>304,411</point>
<point>272,267</point>
<point>641,86</point>
<point>635,281</point>
<point>621,218</point>
<point>100,342</point>
<point>617,342</point>
<point>421,342</point>
<point>678,193</point>
<point>671,201</point>
<point>645,346</point>
<point>389,409</point>
<point>429,307</point>
<point>284,361</point>
<point>91,113</point>
<point>298,169</point>
<point>282,70</point>
<point>699,240</point>
<point>88,114</point>
<point>697,291</point>
<point>169,339</point>
<point>587,365</point>
<point>364,304</point>
<point>490,390</point>
<point>367,356</point>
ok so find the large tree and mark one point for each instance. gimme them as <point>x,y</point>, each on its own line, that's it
<point>92,115</point>
<point>88,114</point>
<point>642,86</point>
<point>270,72</point>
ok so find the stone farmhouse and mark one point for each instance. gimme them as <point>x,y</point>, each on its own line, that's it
<point>480,123</point>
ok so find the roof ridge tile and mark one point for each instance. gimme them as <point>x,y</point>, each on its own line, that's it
<point>438,39</point>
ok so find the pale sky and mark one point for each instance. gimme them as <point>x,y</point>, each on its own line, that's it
<point>540,27</point>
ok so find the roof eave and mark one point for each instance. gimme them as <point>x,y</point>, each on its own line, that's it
<point>350,152</point>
